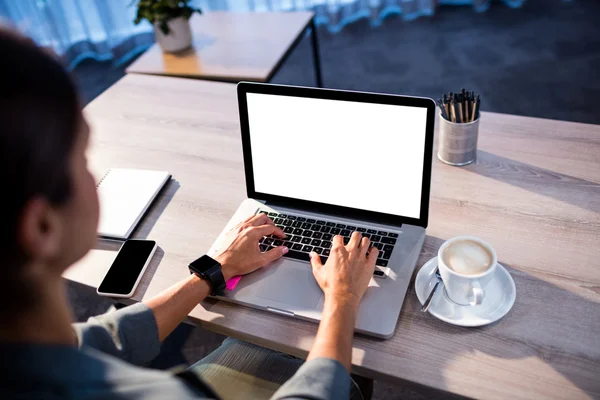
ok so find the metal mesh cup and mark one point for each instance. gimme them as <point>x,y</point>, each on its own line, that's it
<point>458,142</point>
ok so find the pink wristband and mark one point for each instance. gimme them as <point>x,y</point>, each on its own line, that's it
<point>232,283</point>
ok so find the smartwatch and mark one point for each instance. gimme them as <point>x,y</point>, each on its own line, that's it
<point>209,269</point>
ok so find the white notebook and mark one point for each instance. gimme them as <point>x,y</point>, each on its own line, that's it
<point>125,195</point>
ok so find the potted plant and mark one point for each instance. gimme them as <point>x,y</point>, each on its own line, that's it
<point>170,19</point>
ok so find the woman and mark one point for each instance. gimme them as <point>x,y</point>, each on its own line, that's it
<point>49,217</point>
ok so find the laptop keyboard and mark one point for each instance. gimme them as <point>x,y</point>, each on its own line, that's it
<point>305,235</point>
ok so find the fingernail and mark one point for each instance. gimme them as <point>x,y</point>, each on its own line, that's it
<point>310,255</point>
<point>284,249</point>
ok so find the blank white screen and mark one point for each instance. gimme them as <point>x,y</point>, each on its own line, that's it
<point>359,155</point>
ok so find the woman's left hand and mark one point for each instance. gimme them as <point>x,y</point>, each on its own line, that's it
<point>238,251</point>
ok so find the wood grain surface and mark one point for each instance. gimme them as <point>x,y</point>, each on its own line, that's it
<point>534,194</point>
<point>229,47</point>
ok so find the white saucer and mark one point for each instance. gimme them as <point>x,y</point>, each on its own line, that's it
<point>499,298</point>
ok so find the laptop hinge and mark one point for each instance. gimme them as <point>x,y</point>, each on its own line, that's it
<point>333,214</point>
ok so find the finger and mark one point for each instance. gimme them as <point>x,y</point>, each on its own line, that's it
<point>274,254</point>
<point>266,230</point>
<point>364,246</point>
<point>242,224</point>
<point>247,222</point>
<point>249,219</point>
<point>372,259</point>
<point>338,240</point>
<point>257,220</point>
<point>267,220</point>
<point>354,240</point>
<point>373,254</point>
<point>315,260</point>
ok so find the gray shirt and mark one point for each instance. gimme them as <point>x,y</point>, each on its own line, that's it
<point>107,365</point>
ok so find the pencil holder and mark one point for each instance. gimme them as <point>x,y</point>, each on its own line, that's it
<point>457,142</point>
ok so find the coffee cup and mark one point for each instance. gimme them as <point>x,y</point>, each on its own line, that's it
<point>466,265</point>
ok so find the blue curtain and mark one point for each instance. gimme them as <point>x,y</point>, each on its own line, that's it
<point>103,29</point>
<point>76,29</point>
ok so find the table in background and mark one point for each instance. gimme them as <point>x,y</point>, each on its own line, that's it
<point>534,194</point>
<point>235,47</point>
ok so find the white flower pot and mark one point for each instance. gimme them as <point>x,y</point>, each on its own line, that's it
<point>179,37</point>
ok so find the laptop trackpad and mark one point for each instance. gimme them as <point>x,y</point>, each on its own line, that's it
<point>291,283</point>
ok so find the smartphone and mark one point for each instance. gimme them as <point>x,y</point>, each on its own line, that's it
<point>126,271</point>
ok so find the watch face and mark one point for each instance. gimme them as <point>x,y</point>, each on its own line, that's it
<point>203,264</point>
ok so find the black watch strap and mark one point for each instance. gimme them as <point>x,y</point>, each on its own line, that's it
<point>209,269</point>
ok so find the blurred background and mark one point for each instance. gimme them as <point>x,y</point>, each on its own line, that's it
<point>528,57</point>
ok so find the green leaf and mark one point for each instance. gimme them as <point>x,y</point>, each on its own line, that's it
<point>162,10</point>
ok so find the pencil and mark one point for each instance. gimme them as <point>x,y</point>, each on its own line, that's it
<point>442,109</point>
<point>475,112</point>
<point>467,108</point>
<point>460,107</point>
<point>463,99</point>
<point>445,102</point>
<point>471,105</point>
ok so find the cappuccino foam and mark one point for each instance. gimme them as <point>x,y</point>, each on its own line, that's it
<point>467,257</point>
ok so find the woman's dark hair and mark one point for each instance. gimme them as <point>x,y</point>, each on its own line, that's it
<point>39,120</point>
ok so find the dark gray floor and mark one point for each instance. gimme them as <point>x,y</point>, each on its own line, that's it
<point>541,60</point>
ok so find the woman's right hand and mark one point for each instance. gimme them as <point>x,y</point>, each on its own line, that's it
<point>348,270</point>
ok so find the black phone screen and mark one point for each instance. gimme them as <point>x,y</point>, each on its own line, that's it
<point>126,268</point>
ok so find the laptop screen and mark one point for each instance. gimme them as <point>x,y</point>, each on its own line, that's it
<point>353,154</point>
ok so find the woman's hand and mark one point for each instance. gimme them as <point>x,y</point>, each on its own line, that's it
<point>238,252</point>
<point>344,279</point>
<point>348,270</point>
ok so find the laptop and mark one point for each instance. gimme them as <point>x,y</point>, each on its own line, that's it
<point>324,162</point>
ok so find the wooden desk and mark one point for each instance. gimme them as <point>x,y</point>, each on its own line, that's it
<point>534,194</point>
<point>235,47</point>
